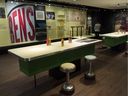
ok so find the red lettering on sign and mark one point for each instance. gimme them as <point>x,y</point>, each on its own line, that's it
<point>11,29</point>
<point>14,14</point>
<point>30,12</point>
<point>22,24</point>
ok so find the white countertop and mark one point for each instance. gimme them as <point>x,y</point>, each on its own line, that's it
<point>36,51</point>
<point>115,34</point>
<point>20,43</point>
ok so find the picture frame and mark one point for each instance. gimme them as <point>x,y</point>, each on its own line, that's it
<point>50,15</point>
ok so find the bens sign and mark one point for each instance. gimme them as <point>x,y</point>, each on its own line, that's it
<point>22,24</point>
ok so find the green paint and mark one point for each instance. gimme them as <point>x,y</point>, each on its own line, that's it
<point>45,63</point>
<point>111,42</point>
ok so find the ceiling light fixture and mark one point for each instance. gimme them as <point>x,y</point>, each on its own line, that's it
<point>12,2</point>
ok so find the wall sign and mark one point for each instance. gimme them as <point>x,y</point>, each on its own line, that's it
<point>2,12</point>
<point>22,23</point>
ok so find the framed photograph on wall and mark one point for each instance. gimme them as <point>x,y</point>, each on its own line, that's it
<point>2,12</point>
<point>40,15</point>
<point>50,15</point>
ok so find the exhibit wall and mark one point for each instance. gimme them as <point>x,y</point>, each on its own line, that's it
<point>20,22</point>
<point>4,28</point>
<point>60,21</point>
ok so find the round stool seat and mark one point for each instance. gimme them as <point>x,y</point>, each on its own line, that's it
<point>90,74</point>
<point>90,57</point>
<point>67,67</point>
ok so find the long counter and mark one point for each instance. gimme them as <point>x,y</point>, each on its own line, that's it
<point>115,38</point>
<point>38,58</point>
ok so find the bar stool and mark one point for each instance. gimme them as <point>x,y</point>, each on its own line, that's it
<point>90,74</point>
<point>67,88</point>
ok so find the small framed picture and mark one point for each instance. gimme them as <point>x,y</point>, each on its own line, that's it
<point>51,15</point>
<point>40,15</point>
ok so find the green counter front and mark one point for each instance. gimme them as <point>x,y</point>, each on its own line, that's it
<point>112,42</point>
<point>114,39</point>
<point>51,61</point>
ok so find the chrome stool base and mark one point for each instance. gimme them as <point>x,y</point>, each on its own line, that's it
<point>67,89</point>
<point>89,76</point>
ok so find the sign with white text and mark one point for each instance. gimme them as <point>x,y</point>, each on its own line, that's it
<point>22,23</point>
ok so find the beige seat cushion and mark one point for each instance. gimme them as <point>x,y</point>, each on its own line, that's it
<point>90,57</point>
<point>67,67</point>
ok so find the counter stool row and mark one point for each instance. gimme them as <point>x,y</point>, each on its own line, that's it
<point>68,88</point>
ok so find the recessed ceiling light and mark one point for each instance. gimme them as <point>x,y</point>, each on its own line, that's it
<point>11,1</point>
